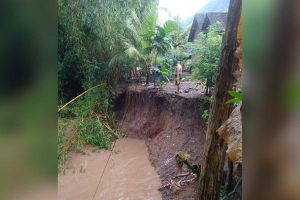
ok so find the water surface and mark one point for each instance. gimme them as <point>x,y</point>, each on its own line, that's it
<point>128,175</point>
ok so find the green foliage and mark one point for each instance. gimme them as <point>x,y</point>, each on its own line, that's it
<point>181,156</point>
<point>92,36</point>
<point>291,94</point>
<point>94,132</point>
<point>184,158</point>
<point>222,191</point>
<point>67,139</point>
<point>102,40</point>
<point>80,123</point>
<point>237,96</point>
<point>166,73</point>
<point>156,41</point>
<point>173,40</point>
<point>62,151</point>
<point>181,49</point>
<point>206,55</point>
<point>205,115</point>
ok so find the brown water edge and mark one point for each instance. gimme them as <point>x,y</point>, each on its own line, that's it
<point>128,175</point>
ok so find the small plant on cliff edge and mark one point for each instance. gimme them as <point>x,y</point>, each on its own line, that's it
<point>184,158</point>
<point>237,96</point>
<point>222,191</point>
<point>205,115</point>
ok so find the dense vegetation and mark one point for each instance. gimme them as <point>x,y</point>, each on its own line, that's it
<point>97,43</point>
<point>93,35</point>
<point>103,42</point>
<point>87,121</point>
<point>100,43</point>
<point>206,55</point>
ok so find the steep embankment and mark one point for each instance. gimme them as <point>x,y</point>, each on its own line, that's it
<point>167,122</point>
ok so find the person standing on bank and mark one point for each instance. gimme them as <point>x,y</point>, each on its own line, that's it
<point>178,77</point>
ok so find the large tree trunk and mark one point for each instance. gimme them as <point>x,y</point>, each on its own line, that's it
<point>214,150</point>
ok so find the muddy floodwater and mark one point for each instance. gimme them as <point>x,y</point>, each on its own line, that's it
<point>128,175</point>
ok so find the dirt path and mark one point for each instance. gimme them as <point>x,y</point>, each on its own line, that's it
<point>129,174</point>
<point>190,89</point>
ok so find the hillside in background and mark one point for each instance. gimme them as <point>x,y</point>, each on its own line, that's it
<point>211,6</point>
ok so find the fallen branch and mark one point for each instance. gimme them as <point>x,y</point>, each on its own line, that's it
<point>188,181</point>
<point>175,185</point>
<point>164,186</point>
<point>178,185</point>
<point>234,191</point>
<point>108,127</point>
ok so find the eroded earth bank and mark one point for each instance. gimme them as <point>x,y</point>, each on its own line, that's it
<point>157,125</point>
<point>168,123</point>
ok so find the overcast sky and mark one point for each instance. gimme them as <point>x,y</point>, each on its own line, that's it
<point>181,8</point>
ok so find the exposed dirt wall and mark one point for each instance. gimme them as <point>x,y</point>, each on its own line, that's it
<point>167,122</point>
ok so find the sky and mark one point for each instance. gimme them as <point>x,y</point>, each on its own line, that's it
<point>181,8</point>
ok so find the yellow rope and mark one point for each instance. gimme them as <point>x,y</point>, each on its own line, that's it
<point>79,96</point>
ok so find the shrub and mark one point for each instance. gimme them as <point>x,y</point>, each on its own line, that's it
<point>206,55</point>
<point>80,124</point>
<point>205,115</point>
<point>94,132</point>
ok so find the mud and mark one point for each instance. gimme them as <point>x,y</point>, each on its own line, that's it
<point>128,175</point>
<point>168,123</point>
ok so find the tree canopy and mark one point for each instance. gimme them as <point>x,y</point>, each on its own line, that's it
<point>92,37</point>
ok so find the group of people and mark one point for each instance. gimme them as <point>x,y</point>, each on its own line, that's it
<point>135,73</point>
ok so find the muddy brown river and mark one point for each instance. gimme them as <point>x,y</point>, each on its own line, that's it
<point>129,174</point>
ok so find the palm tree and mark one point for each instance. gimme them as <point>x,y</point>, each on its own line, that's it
<point>157,44</point>
<point>179,40</point>
<point>144,42</point>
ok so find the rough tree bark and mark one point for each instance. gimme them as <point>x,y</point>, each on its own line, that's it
<point>214,150</point>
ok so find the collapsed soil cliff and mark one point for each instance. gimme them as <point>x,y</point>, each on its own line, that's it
<point>168,123</point>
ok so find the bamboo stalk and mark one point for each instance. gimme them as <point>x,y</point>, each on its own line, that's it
<point>79,96</point>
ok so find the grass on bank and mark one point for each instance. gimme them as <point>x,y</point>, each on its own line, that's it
<point>88,120</point>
